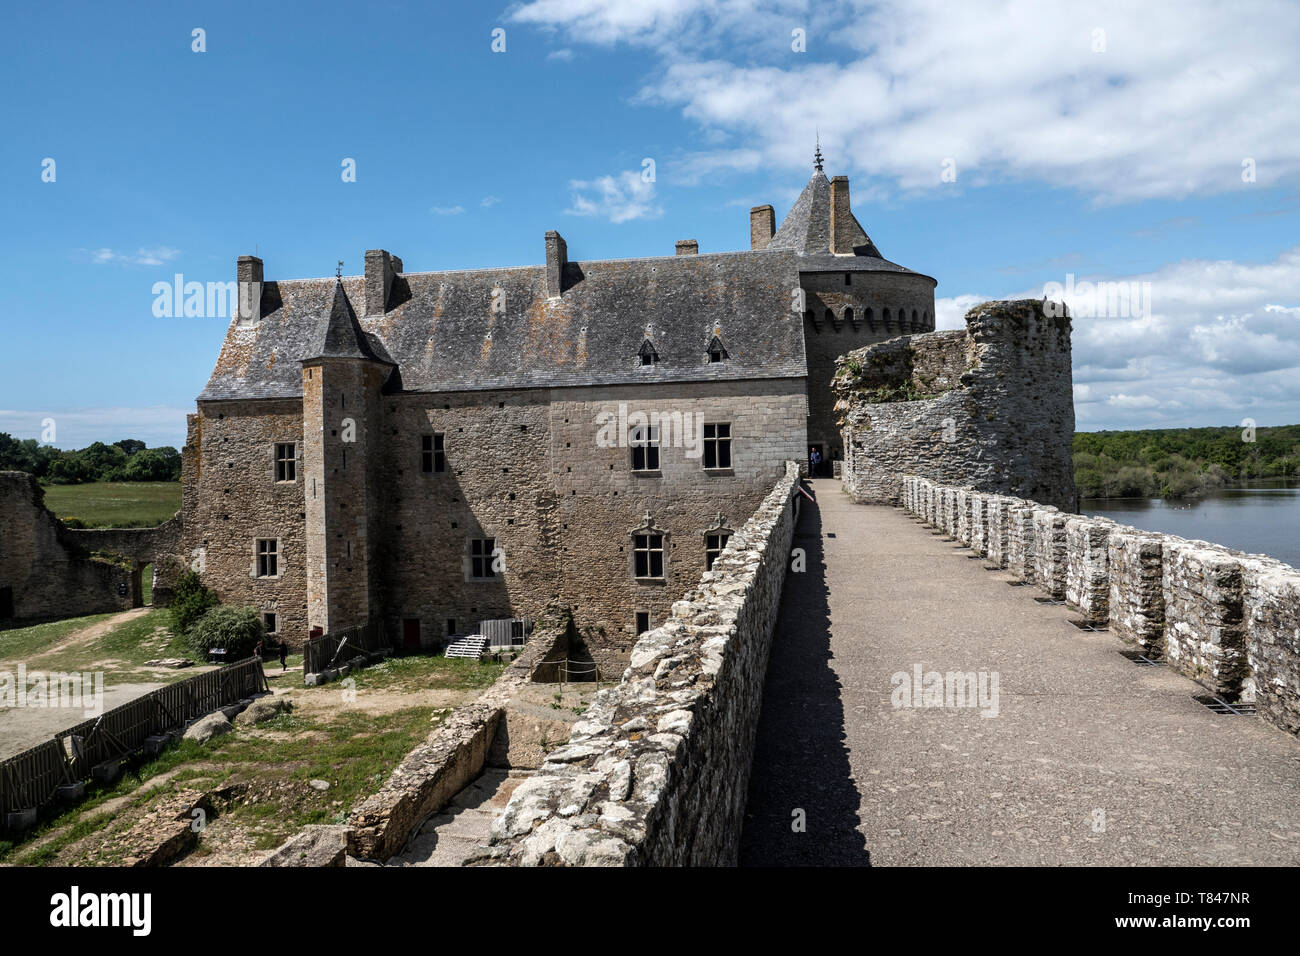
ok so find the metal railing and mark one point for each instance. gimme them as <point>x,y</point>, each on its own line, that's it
<point>341,647</point>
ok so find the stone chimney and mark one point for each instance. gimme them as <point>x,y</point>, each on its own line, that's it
<point>381,268</point>
<point>841,217</point>
<point>557,256</point>
<point>248,278</point>
<point>688,247</point>
<point>762,226</point>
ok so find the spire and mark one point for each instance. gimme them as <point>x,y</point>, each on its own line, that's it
<point>342,336</point>
<point>817,156</point>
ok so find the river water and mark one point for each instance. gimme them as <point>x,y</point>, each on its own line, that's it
<point>1261,519</point>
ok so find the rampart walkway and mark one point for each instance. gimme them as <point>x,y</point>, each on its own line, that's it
<point>1090,759</point>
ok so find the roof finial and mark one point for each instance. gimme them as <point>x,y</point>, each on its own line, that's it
<point>338,270</point>
<point>817,156</point>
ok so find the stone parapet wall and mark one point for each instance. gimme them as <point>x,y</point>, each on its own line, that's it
<point>1050,551</point>
<point>656,772</point>
<point>1228,620</point>
<point>1021,558</point>
<point>1136,605</point>
<point>1087,566</point>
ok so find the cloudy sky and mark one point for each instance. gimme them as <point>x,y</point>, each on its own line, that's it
<point>1001,147</point>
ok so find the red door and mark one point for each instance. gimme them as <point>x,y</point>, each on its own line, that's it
<point>411,634</point>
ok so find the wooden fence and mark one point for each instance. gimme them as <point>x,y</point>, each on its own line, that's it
<point>342,647</point>
<point>32,778</point>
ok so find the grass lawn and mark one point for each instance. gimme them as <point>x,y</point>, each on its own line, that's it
<point>17,643</point>
<point>128,645</point>
<point>116,504</point>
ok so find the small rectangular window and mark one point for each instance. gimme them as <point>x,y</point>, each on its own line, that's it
<point>286,464</point>
<point>268,557</point>
<point>642,622</point>
<point>644,440</point>
<point>714,544</point>
<point>482,558</point>
<point>433,459</point>
<point>268,624</point>
<point>648,555</point>
<point>717,445</point>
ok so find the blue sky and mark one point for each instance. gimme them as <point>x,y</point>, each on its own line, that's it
<point>1103,140</point>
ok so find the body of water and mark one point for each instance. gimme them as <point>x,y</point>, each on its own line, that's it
<point>1261,519</point>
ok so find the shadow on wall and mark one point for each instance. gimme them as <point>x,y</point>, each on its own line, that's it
<point>800,758</point>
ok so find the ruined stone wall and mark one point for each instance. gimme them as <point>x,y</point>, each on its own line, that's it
<point>991,407</point>
<point>656,772</point>
<point>47,573</point>
<point>160,547</point>
<point>1228,620</point>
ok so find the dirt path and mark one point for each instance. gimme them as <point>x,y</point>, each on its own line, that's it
<point>84,636</point>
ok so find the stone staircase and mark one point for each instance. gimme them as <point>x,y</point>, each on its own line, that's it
<point>475,645</point>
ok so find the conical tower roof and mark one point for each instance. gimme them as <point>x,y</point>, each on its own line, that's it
<point>343,336</point>
<point>806,229</point>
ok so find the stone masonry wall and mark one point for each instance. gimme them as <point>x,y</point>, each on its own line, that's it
<point>42,566</point>
<point>657,770</point>
<point>1230,621</point>
<point>991,407</point>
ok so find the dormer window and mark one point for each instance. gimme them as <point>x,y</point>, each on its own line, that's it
<point>648,354</point>
<point>716,352</point>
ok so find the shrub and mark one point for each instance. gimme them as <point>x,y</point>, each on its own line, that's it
<point>190,600</point>
<point>237,629</point>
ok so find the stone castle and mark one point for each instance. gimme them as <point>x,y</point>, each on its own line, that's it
<point>425,450</point>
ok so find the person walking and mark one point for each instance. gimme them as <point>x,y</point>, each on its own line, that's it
<point>284,655</point>
<point>814,463</point>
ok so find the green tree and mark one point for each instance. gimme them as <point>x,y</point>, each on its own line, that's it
<point>190,601</point>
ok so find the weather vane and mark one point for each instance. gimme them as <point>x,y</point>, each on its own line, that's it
<point>338,270</point>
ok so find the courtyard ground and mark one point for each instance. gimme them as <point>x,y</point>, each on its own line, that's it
<point>338,744</point>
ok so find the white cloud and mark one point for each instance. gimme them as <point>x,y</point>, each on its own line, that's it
<point>618,198</point>
<point>950,313</point>
<point>564,55</point>
<point>1180,96</point>
<point>149,256</point>
<point>447,210</point>
<point>488,202</point>
<point>1222,341</point>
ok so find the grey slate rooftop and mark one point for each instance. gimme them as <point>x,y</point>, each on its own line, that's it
<point>442,332</point>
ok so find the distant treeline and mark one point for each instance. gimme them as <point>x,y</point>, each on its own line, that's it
<point>126,460</point>
<point>1181,462</point>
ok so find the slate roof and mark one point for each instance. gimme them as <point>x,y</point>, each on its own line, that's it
<point>443,334</point>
